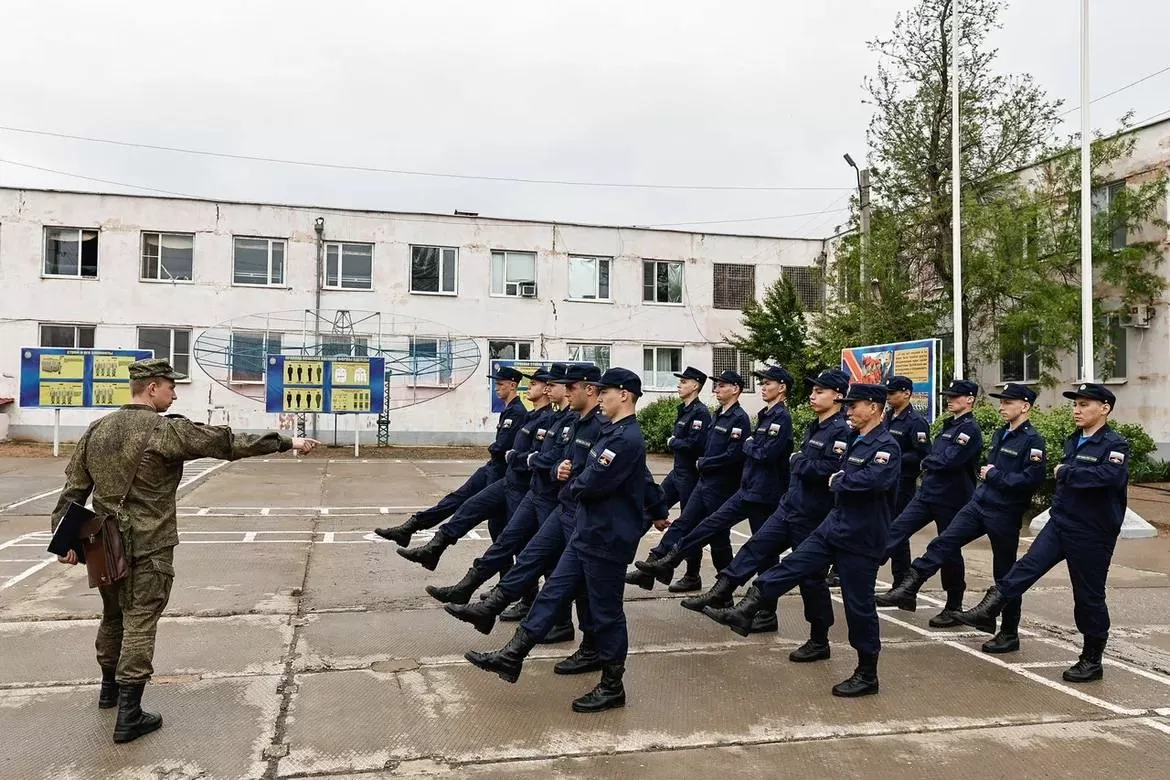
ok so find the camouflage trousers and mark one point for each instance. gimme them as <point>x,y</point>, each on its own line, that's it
<point>130,612</point>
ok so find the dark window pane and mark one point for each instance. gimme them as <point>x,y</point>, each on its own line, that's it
<point>603,279</point>
<point>648,281</point>
<point>177,257</point>
<point>525,350</point>
<point>62,253</point>
<point>449,270</point>
<point>85,338</point>
<point>157,339</point>
<point>357,266</point>
<point>58,336</point>
<point>89,253</point>
<point>251,261</point>
<point>424,271</point>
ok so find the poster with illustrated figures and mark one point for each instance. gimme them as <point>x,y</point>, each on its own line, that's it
<point>342,385</point>
<point>61,378</point>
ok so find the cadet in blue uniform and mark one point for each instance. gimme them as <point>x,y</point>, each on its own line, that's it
<point>507,380</point>
<point>609,523</point>
<point>1084,522</point>
<point>764,481</point>
<point>948,481</point>
<point>803,508</point>
<point>912,432</point>
<point>501,498</point>
<point>851,535</point>
<point>688,441</point>
<point>1013,474</point>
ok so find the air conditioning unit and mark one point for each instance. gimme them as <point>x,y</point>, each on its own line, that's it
<point>528,290</point>
<point>1138,316</point>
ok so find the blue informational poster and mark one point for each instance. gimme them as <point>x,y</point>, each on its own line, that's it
<point>525,367</point>
<point>340,385</point>
<point>917,360</point>
<point>62,378</point>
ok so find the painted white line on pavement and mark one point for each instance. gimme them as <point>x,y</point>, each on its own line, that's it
<point>29,500</point>
<point>328,538</point>
<point>264,512</point>
<point>27,573</point>
<point>202,512</point>
<point>20,560</point>
<point>249,537</point>
<point>1156,724</point>
<point>17,541</point>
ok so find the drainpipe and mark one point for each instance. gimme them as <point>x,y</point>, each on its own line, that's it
<point>319,227</point>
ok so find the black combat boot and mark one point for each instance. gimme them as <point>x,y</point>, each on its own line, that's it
<point>642,579</point>
<point>519,610</point>
<point>904,595</point>
<point>946,618</point>
<point>740,617</point>
<point>864,681</point>
<point>608,693</point>
<point>688,583</point>
<point>982,616</point>
<point>428,555</point>
<point>509,659</point>
<point>483,613</point>
<point>132,721</point>
<point>766,621</point>
<point>562,632</point>
<point>718,597</point>
<point>663,568</point>
<point>1088,668</point>
<point>460,592</point>
<point>584,660</point>
<point>108,697</point>
<point>400,534</point>
<point>815,649</point>
<point>1003,642</point>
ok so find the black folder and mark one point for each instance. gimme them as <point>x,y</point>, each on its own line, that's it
<point>68,534</point>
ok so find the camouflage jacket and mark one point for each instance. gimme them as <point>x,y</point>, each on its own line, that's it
<point>107,454</point>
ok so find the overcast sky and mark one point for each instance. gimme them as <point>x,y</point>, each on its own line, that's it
<point>660,92</point>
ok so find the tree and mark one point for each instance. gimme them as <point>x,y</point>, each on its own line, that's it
<point>775,329</point>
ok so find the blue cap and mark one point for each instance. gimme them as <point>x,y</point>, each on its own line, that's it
<point>776,374</point>
<point>506,374</point>
<point>1093,392</point>
<point>557,370</point>
<point>729,377</point>
<point>541,374</point>
<point>579,372</point>
<point>693,373</point>
<point>898,382</point>
<point>962,387</point>
<point>621,379</point>
<point>1016,392</point>
<point>833,379</point>
<point>864,392</point>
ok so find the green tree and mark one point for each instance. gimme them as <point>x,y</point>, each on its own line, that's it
<point>775,328</point>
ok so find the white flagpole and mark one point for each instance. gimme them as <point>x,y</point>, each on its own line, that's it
<point>1087,369</point>
<point>956,231</point>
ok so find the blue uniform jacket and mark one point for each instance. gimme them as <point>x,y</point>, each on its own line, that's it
<point>511,419</point>
<point>1018,460</point>
<point>1091,484</point>
<point>585,434</point>
<point>611,493</point>
<point>864,486</point>
<point>527,441</point>
<point>767,450</point>
<point>949,471</point>
<point>689,439</point>
<point>543,463</point>
<point>912,432</point>
<point>809,499</point>
<point>722,463</point>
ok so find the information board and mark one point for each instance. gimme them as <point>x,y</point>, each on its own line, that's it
<point>916,360</point>
<point>62,378</point>
<point>342,385</point>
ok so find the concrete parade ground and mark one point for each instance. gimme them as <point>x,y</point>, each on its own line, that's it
<point>297,644</point>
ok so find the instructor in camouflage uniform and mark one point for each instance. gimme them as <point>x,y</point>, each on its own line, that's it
<point>136,452</point>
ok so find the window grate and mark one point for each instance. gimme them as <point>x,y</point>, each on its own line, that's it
<point>735,285</point>
<point>809,284</point>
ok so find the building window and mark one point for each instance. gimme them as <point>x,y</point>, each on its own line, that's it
<point>334,345</point>
<point>597,354</point>
<point>431,361</point>
<point>1113,361</point>
<point>1103,199</point>
<point>67,336</point>
<point>659,365</point>
<point>432,269</point>
<point>589,278</point>
<point>258,261</point>
<point>662,281</point>
<point>735,285</point>
<point>514,273</point>
<point>731,359</point>
<point>349,266</point>
<point>71,252</point>
<point>168,256</point>
<point>509,350</point>
<point>170,344</point>
<point>1019,365</point>
<point>809,284</point>
<point>247,353</point>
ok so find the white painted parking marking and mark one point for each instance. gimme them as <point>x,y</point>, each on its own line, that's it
<point>31,570</point>
<point>29,500</point>
<point>329,537</point>
<point>249,537</point>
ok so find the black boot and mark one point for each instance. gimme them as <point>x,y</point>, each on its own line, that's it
<point>946,618</point>
<point>608,693</point>
<point>815,649</point>
<point>831,579</point>
<point>460,592</point>
<point>483,613</point>
<point>557,634</point>
<point>132,721</point>
<point>643,580</point>
<point>1088,668</point>
<point>982,616</point>
<point>688,583</point>
<point>428,555</point>
<point>766,621</point>
<point>904,595</point>
<point>740,617</point>
<point>718,597</point>
<point>1003,642</point>
<point>519,610</point>
<point>663,568</point>
<point>400,534</point>
<point>108,697</point>
<point>864,681</point>
<point>509,659</point>
<point>584,660</point>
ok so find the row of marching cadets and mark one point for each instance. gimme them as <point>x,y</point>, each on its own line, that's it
<point>568,497</point>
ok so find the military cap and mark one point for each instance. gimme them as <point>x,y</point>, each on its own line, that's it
<point>1013,391</point>
<point>620,378</point>
<point>506,374</point>
<point>729,377</point>
<point>898,383</point>
<point>557,370</point>
<point>833,379</point>
<point>541,374</point>
<point>776,374</point>
<point>154,367</point>
<point>863,392</point>
<point>579,372</point>
<point>690,372</point>
<point>960,387</point>
<point>1092,392</point>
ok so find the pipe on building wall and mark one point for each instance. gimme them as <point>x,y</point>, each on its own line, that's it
<point>319,228</point>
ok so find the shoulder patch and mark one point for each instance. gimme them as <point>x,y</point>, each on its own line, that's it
<point>736,433</point>
<point>773,429</point>
<point>1116,457</point>
<point>922,437</point>
<point>962,438</point>
<point>881,457</point>
<point>606,457</point>
<point>507,423</point>
<point>1036,455</point>
<point>540,433</point>
<point>696,425</point>
<point>839,447</point>
<point>566,432</point>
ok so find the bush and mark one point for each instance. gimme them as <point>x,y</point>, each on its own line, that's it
<point>657,421</point>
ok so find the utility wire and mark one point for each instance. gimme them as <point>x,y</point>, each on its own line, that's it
<point>1119,89</point>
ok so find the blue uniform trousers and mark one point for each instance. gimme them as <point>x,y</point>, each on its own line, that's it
<point>719,523</point>
<point>597,582</point>
<point>912,520</point>
<point>1086,554</point>
<point>483,476</point>
<point>1002,528</point>
<point>857,572</point>
<point>677,487</point>
<point>497,500</point>
<point>900,555</point>
<point>540,557</point>
<point>521,527</point>
<point>703,501</point>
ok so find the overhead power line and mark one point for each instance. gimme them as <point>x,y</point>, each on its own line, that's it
<point>1120,89</point>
